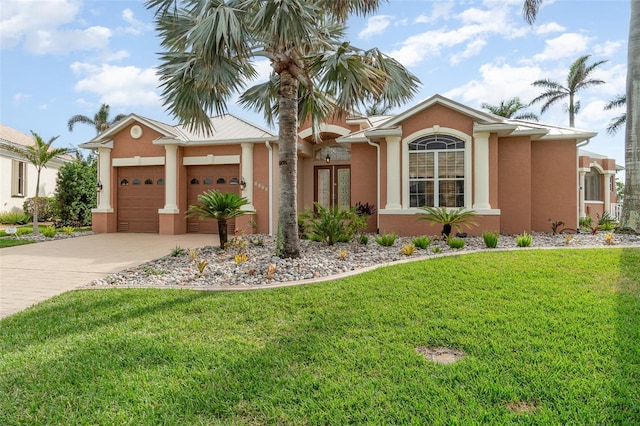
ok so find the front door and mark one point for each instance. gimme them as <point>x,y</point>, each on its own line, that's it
<point>333,186</point>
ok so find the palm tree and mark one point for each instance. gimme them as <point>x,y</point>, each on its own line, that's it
<point>219,206</point>
<point>617,122</point>
<point>630,218</point>
<point>100,121</point>
<point>315,73</point>
<point>448,218</point>
<point>510,109</point>
<point>577,80</point>
<point>39,155</point>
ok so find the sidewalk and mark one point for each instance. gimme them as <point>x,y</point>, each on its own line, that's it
<point>35,272</point>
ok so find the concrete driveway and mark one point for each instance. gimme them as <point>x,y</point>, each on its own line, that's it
<point>35,272</point>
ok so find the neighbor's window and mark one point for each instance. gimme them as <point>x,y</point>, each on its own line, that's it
<point>18,178</point>
<point>593,185</point>
<point>436,171</point>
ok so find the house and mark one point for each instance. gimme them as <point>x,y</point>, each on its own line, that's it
<point>516,175</point>
<point>18,177</point>
<point>597,180</point>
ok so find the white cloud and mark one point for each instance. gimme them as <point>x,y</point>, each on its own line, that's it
<point>136,27</point>
<point>568,45</point>
<point>441,11</point>
<point>551,27</point>
<point>61,42</point>
<point>19,97</point>
<point>126,86</point>
<point>473,49</point>
<point>607,49</point>
<point>375,25</point>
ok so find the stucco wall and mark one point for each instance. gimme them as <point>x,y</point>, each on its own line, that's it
<point>514,184</point>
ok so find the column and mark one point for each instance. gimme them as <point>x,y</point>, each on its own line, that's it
<point>393,173</point>
<point>170,179</point>
<point>607,192</point>
<point>481,171</point>
<point>581,175</point>
<point>247,173</point>
<point>104,178</point>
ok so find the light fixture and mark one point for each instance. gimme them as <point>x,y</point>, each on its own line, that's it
<point>99,186</point>
<point>243,184</point>
<point>327,158</point>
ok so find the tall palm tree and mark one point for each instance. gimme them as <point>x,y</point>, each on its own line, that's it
<point>100,121</point>
<point>577,80</point>
<point>511,109</point>
<point>617,102</point>
<point>38,154</point>
<point>208,48</point>
<point>630,218</point>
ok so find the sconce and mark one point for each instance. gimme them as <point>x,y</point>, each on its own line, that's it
<point>243,184</point>
<point>99,186</point>
<point>327,159</point>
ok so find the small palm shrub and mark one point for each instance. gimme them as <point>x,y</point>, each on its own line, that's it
<point>490,239</point>
<point>524,240</point>
<point>68,229</point>
<point>178,251</point>
<point>585,223</point>
<point>386,240</point>
<point>331,225</point>
<point>14,218</point>
<point>49,231</point>
<point>422,242</point>
<point>408,249</point>
<point>455,243</point>
<point>449,218</point>
<point>364,240</point>
<point>606,222</point>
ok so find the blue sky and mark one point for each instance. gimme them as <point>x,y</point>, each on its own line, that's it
<point>59,58</point>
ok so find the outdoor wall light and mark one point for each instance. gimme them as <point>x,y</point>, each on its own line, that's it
<point>243,184</point>
<point>327,159</point>
<point>99,186</point>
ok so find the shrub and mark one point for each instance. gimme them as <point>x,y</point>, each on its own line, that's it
<point>342,254</point>
<point>585,222</point>
<point>608,239</point>
<point>455,243</point>
<point>24,231</point>
<point>331,225</point>
<point>364,240</point>
<point>555,224</point>
<point>76,192</point>
<point>606,222</point>
<point>449,218</point>
<point>177,251</point>
<point>68,229</point>
<point>490,239</point>
<point>365,209</point>
<point>422,242</point>
<point>436,250</point>
<point>47,208</point>
<point>49,231</point>
<point>408,249</point>
<point>524,240</point>
<point>14,218</point>
<point>386,240</point>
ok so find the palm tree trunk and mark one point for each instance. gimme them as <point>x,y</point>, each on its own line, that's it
<point>572,111</point>
<point>222,232</point>
<point>630,219</point>
<point>36,229</point>
<point>288,148</point>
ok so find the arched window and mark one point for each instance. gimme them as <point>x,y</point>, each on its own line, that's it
<point>194,181</point>
<point>136,182</point>
<point>221,181</point>
<point>207,181</point>
<point>124,182</point>
<point>593,185</point>
<point>436,171</point>
<point>148,181</point>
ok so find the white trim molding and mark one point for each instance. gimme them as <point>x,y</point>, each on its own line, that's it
<point>210,159</point>
<point>137,161</point>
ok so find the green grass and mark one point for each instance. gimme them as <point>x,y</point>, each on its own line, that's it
<point>11,242</point>
<point>554,331</point>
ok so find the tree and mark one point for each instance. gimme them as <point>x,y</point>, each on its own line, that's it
<point>76,191</point>
<point>220,206</point>
<point>510,109</point>
<point>578,79</point>
<point>617,102</point>
<point>315,73</point>
<point>38,154</point>
<point>630,219</point>
<point>100,121</point>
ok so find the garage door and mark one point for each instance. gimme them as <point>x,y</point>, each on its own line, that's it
<point>224,178</point>
<point>140,195</point>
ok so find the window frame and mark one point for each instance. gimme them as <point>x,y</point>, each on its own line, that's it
<point>18,178</point>
<point>593,175</point>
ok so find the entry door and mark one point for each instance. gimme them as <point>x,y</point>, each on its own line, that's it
<point>333,186</point>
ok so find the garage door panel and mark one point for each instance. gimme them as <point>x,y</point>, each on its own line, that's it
<point>140,196</point>
<point>222,177</point>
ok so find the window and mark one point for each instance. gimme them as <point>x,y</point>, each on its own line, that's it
<point>436,171</point>
<point>18,178</point>
<point>592,185</point>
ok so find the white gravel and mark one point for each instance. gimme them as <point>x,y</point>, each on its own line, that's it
<point>317,261</point>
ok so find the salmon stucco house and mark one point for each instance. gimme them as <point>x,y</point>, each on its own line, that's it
<point>516,175</point>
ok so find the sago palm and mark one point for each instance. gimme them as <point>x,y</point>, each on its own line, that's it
<point>100,121</point>
<point>511,108</point>
<point>208,48</point>
<point>221,206</point>
<point>449,218</point>
<point>39,154</point>
<point>577,80</point>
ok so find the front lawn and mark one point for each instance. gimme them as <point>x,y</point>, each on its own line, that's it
<point>11,241</point>
<point>550,336</point>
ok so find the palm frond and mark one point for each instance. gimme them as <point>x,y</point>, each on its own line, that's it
<point>530,10</point>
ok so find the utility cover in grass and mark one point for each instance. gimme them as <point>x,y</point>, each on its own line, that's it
<point>440,355</point>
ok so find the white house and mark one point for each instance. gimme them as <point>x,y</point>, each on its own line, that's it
<point>18,176</point>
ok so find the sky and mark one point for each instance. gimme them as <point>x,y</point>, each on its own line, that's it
<point>59,58</point>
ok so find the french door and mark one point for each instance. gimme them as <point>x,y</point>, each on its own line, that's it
<point>333,186</point>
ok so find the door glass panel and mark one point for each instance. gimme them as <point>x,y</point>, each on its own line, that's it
<point>324,187</point>
<point>344,188</point>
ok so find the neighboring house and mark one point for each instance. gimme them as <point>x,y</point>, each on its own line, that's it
<point>18,176</point>
<point>597,179</point>
<point>516,175</point>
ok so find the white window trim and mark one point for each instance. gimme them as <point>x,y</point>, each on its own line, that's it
<point>468,141</point>
<point>16,189</point>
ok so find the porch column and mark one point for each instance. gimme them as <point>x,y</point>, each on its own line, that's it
<point>607,191</point>
<point>481,171</point>
<point>170,180</point>
<point>581,174</point>
<point>247,173</point>
<point>393,173</point>
<point>104,178</point>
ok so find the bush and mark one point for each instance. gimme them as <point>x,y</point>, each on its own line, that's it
<point>332,225</point>
<point>490,239</point>
<point>76,193</point>
<point>455,243</point>
<point>449,218</point>
<point>422,242</point>
<point>606,222</point>
<point>47,208</point>
<point>408,249</point>
<point>524,240</point>
<point>386,240</point>
<point>14,218</point>
<point>49,231</point>
<point>364,240</point>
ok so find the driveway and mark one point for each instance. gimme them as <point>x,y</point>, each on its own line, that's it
<point>35,272</point>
